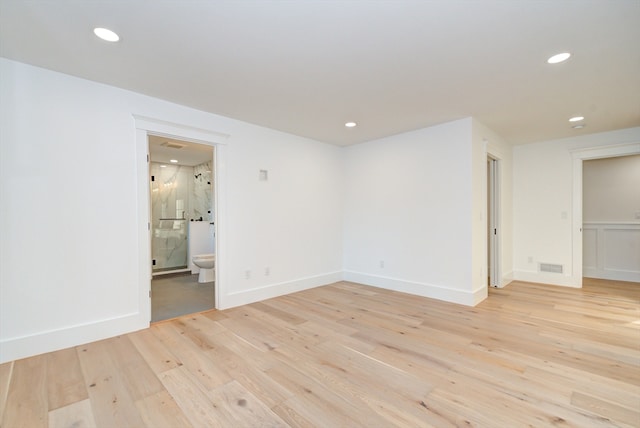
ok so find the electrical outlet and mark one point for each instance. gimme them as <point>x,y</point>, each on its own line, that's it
<point>382,264</point>
<point>247,274</point>
<point>638,215</point>
<point>530,259</point>
<point>267,271</point>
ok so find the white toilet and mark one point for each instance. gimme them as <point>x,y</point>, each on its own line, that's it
<point>206,263</point>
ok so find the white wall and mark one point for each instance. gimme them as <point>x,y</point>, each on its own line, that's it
<point>69,253</point>
<point>408,222</point>
<point>543,186</point>
<point>291,223</point>
<point>611,189</point>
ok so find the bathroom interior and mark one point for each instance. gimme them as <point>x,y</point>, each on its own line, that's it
<point>181,178</point>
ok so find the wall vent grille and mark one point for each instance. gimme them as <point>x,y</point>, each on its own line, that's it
<point>549,267</point>
<point>172,145</point>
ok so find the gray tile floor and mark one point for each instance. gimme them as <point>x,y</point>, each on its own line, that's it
<point>173,295</point>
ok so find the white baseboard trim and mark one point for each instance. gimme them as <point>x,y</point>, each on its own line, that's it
<point>614,275</point>
<point>506,278</point>
<point>468,298</point>
<point>54,340</point>
<point>545,278</point>
<point>257,294</point>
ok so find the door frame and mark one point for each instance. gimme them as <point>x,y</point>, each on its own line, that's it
<point>580,155</point>
<point>146,126</point>
<point>494,229</point>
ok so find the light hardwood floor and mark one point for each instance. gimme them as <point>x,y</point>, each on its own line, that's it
<point>347,355</point>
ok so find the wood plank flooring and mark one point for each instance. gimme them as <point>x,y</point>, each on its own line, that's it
<point>347,355</point>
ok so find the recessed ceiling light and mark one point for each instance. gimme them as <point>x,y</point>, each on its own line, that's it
<point>580,126</point>
<point>106,34</point>
<point>559,58</point>
<point>576,119</point>
<point>350,124</point>
<point>163,166</point>
<point>173,161</point>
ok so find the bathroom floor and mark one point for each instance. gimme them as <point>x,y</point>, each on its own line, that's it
<point>173,295</point>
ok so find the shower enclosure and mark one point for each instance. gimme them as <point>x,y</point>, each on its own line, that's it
<point>179,194</point>
<point>169,204</point>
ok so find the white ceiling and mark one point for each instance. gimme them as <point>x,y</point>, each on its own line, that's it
<point>163,150</point>
<point>308,66</point>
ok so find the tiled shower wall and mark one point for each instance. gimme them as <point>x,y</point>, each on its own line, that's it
<point>202,191</point>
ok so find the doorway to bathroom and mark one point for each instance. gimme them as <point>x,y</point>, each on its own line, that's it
<point>182,226</point>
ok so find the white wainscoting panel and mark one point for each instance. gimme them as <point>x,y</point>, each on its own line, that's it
<point>611,251</point>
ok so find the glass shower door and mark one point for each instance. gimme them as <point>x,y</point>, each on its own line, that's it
<point>169,193</point>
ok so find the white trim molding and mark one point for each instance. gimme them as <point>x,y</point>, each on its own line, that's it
<point>245,297</point>
<point>546,278</point>
<point>462,297</point>
<point>611,251</point>
<point>192,134</point>
<point>16,348</point>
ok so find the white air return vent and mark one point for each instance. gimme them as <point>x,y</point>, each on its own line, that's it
<point>549,267</point>
<point>173,145</point>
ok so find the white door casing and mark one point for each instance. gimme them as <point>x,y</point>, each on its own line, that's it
<point>149,126</point>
